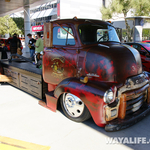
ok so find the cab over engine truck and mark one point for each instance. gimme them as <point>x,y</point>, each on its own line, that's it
<point>92,74</point>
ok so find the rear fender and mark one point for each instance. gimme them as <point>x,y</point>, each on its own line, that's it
<point>90,93</point>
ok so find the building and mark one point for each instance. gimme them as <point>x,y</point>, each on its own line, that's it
<point>62,9</point>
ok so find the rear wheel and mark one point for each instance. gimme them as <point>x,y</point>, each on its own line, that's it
<point>74,108</point>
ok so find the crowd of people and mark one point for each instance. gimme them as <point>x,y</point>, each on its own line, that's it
<point>35,46</point>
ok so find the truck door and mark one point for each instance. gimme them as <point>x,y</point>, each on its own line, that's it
<point>59,61</point>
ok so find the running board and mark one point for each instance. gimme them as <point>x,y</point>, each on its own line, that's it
<point>51,101</point>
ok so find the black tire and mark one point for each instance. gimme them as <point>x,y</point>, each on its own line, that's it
<point>75,109</point>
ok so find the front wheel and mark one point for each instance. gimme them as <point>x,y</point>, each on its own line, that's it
<point>74,108</point>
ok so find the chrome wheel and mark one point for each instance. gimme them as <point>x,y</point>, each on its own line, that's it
<point>73,105</point>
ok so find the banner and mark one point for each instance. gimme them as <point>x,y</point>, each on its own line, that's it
<point>37,28</point>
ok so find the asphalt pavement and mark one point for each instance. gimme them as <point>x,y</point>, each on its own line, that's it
<point>24,122</point>
<point>22,118</point>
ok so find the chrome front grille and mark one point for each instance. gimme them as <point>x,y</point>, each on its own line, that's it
<point>133,105</point>
<point>134,99</point>
<point>132,95</point>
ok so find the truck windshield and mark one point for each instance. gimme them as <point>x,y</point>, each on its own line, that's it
<point>94,33</point>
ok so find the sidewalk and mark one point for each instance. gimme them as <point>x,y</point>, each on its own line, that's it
<point>22,118</point>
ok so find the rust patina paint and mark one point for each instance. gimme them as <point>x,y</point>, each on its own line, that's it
<point>106,65</point>
<point>91,95</point>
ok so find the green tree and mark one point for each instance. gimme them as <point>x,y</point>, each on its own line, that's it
<point>118,7</point>
<point>146,34</point>
<point>20,23</point>
<point>8,26</point>
<point>138,7</point>
<point>141,7</point>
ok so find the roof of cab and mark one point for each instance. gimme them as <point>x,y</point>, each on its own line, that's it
<point>80,21</point>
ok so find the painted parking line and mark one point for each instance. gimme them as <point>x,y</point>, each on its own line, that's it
<point>13,144</point>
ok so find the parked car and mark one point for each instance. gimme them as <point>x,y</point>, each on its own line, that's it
<point>144,50</point>
<point>147,41</point>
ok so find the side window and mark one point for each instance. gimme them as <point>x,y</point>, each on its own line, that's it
<point>102,35</point>
<point>135,46</point>
<point>61,37</point>
<point>140,49</point>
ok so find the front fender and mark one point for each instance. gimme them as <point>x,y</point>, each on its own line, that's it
<point>90,93</point>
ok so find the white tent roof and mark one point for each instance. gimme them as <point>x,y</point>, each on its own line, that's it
<point>18,5</point>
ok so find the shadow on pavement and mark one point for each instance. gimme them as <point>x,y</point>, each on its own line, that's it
<point>134,137</point>
<point>138,133</point>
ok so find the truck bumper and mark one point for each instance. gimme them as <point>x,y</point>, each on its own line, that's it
<point>119,124</point>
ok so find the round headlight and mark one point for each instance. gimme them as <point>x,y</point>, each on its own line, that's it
<point>108,96</point>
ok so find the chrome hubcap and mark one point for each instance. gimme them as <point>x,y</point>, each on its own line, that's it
<point>73,105</point>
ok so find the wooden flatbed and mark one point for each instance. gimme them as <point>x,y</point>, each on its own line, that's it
<point>25,76</point>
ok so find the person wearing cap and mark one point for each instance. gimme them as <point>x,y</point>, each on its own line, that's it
<point>31,45</point>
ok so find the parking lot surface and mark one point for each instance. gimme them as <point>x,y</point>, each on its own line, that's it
<point>23,119</point>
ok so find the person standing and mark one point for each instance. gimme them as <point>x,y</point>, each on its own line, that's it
<point>31,45</point>
<point>15,43</point>
<point>3,54</point>
<point>39,45</point>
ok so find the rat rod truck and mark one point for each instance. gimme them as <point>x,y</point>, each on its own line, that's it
<point>87,70</point>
